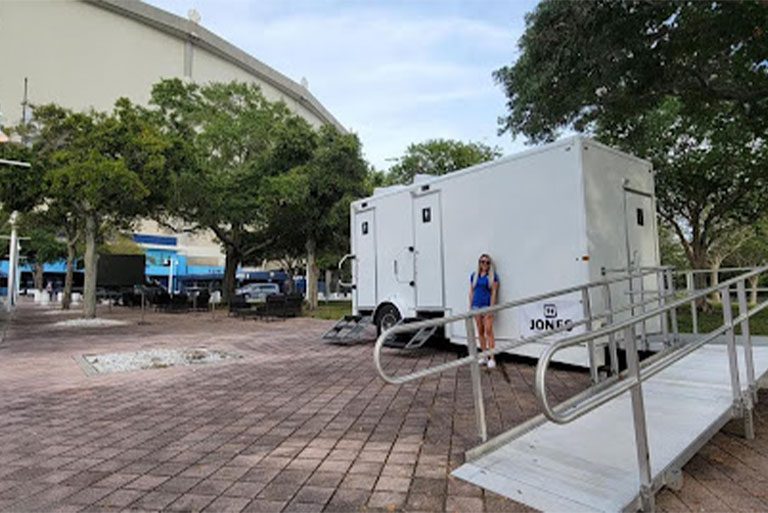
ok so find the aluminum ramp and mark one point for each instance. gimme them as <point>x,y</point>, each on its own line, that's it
<point>591,464</point>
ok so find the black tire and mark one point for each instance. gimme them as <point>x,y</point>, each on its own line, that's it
<point>386,317</point>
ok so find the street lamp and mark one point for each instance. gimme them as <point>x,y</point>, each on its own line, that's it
<point>13,250</point>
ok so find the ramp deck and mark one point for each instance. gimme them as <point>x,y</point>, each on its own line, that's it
<point>590,464</point>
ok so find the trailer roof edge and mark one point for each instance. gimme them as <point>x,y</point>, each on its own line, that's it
<point>509,158</point>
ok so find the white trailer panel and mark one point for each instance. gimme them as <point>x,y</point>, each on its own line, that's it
<point>551,217</point>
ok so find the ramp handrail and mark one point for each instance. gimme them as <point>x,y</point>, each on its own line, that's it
<point>637,372</point>
<point>503,346</point>
<point>651,369</point>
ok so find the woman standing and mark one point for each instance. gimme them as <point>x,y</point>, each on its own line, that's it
<point>482,293</point>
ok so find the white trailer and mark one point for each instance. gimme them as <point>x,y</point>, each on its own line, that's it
<point>552,217</point>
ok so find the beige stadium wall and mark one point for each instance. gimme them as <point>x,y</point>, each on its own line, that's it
<point>83,56</point>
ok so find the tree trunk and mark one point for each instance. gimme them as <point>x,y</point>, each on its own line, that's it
<point>312,273</point>
<point>232,261</point>
<point>753,290</point>
<point>698,259</point>
<point>91,261</point>
<point>715,297</point>
<point>69,277</point>
<point>39,277</point>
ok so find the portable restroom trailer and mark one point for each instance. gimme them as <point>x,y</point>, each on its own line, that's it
<point>552,217</point>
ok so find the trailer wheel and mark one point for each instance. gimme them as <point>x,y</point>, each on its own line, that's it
<point>386,317</point>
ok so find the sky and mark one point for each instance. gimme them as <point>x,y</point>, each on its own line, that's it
<point>394,72</point>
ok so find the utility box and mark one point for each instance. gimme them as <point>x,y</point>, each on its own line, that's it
<point>551,217</point>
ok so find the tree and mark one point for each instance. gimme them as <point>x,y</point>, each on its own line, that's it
<point>438,157</point>
<point>586,61</point>
<point>711,173</point>
<point>683,84</point>
<point>43,246</point>
<point>230,138</point>
<point>309,205</point>
<point>102,170</point>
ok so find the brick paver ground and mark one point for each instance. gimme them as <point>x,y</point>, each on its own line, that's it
<point>295,425</point>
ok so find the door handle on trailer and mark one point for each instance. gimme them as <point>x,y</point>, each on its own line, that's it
<point>348,256</point>
<point>396,273</point>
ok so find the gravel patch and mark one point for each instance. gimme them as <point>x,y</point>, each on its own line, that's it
<point>156,359</point>
<point>89,323</point>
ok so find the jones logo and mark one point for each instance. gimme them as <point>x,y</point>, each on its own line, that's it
<point>550,320</point>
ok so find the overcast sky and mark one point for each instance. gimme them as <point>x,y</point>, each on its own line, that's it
<point>394,72</point>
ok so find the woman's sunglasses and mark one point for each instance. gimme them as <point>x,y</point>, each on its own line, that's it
<point>485,261</point>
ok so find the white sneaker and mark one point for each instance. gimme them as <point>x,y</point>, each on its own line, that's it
<point>483,360</point>
<point>491,363</point>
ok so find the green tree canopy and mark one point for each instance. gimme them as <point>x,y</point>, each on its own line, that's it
<point>602,60</point>
<point>309,205</point>
<point>438,157</point>
<point>683,84</point>
<point>229,138</point>
<point>101,171</point>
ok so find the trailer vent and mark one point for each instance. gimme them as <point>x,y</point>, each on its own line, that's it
<point>424,188</point>
<point>640,217</point>
<point>364,204</point>
<point>426,215</point>
<point>365,227</point>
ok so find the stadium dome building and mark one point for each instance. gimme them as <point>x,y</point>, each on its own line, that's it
<point>84,54</point>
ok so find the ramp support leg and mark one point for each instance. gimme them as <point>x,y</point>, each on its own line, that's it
<point>749,420</point>
<point>477,389</point>
<point>647,498</point>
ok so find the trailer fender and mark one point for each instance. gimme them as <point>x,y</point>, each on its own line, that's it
<point>388,311</point>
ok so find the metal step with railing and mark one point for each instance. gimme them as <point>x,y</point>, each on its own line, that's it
<point>615,444</point>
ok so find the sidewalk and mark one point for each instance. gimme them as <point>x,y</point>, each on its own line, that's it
<point>295,425</point>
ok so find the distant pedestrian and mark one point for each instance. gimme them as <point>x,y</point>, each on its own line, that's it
<point>49,290</point>
<point>482,293</point>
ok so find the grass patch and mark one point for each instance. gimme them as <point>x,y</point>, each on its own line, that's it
<point>332,310</point>
<point>708,321</point>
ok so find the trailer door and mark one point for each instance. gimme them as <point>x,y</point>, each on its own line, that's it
<point>640,219</point>
<point>365,259</point>
<point>428,258</point>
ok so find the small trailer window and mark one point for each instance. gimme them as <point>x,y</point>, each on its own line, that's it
<point>426,215</point>
<point>640,217</point>
<point>365,227</point>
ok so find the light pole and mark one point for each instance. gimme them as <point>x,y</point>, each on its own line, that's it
<point>13,250</point>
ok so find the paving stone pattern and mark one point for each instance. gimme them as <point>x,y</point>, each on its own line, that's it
<point>296,425</point>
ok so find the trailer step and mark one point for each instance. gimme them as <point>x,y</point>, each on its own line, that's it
<point>415,341</point>
<point>349,329</point>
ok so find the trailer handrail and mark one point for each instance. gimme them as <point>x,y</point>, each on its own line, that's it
<point>658,365</point>
<point>501,346</point>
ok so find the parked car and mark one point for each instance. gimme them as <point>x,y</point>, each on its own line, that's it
<point>257,291</point>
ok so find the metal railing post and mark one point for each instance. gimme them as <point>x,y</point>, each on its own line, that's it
<point>750,398</point>
<point>691,285</point>
<point>613,350</point>
<point>662,288</point>
<point>670,290</point>
<point>730,339</point>
<point>477,390</point>
<point>647,499</point>
<point>643,328</point>
<point>746,338</point>
<point>587,308</point>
